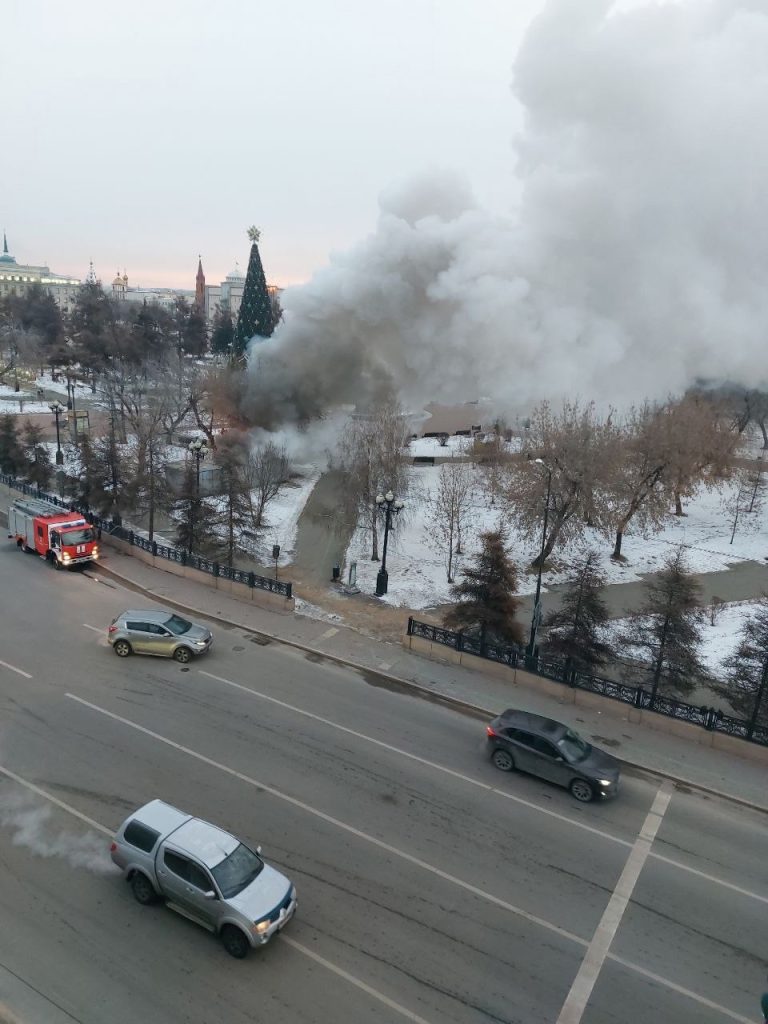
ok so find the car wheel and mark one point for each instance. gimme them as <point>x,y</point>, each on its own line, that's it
<point>582,790</point>
<point>183,655</point>
<point>121,648</point>
<point>55,562</point>
<point>503,760</point>
<point>141,887</point>
<point>234,942</point>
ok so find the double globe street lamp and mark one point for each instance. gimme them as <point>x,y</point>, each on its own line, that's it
<point>391,506</point>
<point>536,620</point>
<point>57,409</point>
<point>198,449</point>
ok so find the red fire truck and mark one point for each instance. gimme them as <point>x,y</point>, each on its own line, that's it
<point>63,538</point>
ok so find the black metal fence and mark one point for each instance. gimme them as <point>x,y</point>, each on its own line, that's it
<point>171,554</point>
<point>558,670</point>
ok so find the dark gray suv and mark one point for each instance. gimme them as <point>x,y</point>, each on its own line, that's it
<point>552,751</point>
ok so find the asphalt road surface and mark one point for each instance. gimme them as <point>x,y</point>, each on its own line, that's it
<point>431,886</point>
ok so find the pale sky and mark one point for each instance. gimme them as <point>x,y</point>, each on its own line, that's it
<point>141,134</point>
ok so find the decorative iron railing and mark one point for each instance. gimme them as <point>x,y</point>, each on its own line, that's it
<point>171,554</point>
<point>558,670</point>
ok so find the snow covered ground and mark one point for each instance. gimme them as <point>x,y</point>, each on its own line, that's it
<point>282,517</point>
<point>20,402</point>
<point>417,576</point>
<point>45,380</point>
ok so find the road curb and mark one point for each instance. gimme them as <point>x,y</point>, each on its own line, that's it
<point>407,686</point>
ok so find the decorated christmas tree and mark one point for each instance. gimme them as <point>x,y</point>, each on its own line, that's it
<point>256,316</point>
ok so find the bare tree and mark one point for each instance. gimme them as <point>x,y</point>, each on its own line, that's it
<point>744,501</point>
<point>569,449</point>
<point>640,454</point>
<point>266,471</point>
<point>215,398</point>
<point>448,510</point>
<point>493,458</point>
<point>373,460</point>
<point>702,443</point>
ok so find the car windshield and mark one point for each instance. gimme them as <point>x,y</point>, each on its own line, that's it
<point>237,871</point>
<point>573,747</point>
<point>77,536</point>
<point>177,625</point>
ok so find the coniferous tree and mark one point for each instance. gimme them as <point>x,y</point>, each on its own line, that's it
<point>148,492</point>
<point>485,597</point>
<point>256,317</point>
<point>100,482</point>
<point>222,333</point>
<point>11,452</point>
<point>38,468</point>
<point>86,485</point>
<point>195,517</point>
<point>667,629</point>
<point>574,631</point>
<point>746,689</point>
<point>232,462</point>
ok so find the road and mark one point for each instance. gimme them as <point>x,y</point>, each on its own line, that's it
<point>431,887</point>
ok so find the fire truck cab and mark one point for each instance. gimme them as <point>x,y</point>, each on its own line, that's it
<point>63,538</point>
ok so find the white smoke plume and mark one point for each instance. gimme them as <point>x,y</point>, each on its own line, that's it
<point>635,264</point>
<point>30,827</point>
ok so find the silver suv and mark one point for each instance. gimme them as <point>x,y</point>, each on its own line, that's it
<point>160,632</point>
<point>204,874</point>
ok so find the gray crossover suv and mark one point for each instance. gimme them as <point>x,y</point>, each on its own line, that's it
<point>160,632</point>
<point>549,749</point>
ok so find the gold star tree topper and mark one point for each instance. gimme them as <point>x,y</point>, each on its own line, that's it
<point>253,233</point>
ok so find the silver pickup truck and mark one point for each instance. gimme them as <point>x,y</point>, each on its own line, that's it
<point>204,874</point>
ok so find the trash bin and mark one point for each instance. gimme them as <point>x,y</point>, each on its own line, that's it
<point>336,573</point>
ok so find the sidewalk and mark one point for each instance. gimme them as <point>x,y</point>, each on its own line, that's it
<point>392,665</point>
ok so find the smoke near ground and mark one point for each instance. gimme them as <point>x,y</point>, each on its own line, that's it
<point>31,827</point>
<point>634,264</point>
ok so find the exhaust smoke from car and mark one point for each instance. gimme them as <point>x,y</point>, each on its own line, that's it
<point>31,827</point>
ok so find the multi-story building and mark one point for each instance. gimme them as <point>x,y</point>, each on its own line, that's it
<point>18,278</point>
<point>226,296</point>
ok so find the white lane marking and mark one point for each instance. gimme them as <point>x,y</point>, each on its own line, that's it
<point>284,938</point>
<point>55,800</point>
<point>576,1001</point>
<point>710,878</point>
<point>683,991</point>
<point>483,785</point>
<point>410,858</point>
<point>94,628</point>
<point>329,633</point>
<point>353,981</point>
<point>12,668</point>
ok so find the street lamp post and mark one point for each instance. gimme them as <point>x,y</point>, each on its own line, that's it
<point>57,409</point>
<point>199,450</point>
<point>391,507</point>
<point>536,618</point>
